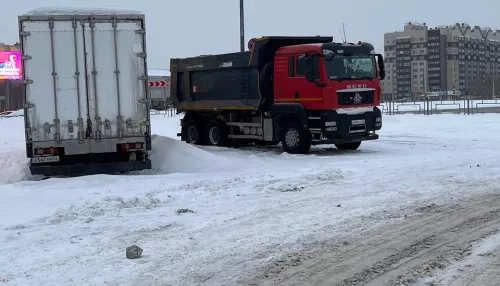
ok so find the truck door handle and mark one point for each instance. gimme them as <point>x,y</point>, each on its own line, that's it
<point>279,90</point>
<point>296,94</point>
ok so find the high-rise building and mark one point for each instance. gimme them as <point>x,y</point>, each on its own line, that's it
<point>444,59</point>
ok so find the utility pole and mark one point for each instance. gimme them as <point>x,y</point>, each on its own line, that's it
<point>242,27</point>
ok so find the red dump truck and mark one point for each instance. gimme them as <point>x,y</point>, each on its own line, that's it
<point>298,91</point>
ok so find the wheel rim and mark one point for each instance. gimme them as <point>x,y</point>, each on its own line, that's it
<point>214,135</point>
<point>292,138</point>
<point>192,134</point>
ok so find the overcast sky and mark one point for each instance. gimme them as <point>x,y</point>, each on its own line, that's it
<point>182,28</point>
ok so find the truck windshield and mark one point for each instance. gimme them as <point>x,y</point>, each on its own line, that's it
<point>351,67</point>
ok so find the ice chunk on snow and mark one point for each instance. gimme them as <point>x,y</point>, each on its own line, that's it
<point>54,11</point>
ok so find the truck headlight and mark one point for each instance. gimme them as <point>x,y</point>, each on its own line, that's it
<point>378,119</point>
<point>331,129</point>
<point>331,123</point>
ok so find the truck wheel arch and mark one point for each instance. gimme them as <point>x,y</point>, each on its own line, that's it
<point>295,110</point>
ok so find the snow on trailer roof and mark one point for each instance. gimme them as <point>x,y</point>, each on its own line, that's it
<point>55,11</point>
<point>158,72</point>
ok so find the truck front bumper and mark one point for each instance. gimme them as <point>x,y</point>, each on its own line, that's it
<point>345,128</point>
<point>89,169</point>
<point>350,139</point>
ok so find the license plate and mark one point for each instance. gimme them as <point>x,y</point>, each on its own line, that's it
<point>358,122</point>
<point>47,159</point>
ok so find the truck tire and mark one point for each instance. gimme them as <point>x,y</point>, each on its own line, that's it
<point>194,133</point>
<point>295,139</point>
<point>217,134</point>
<point>348,146</point>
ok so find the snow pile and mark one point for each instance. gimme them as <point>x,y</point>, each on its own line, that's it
<point>173,156</point>
<point>14,166</point>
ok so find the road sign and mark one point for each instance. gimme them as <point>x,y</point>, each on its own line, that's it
<point>251,44</point>
<point>158,83</point>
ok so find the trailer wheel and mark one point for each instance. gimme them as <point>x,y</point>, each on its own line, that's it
<point>348,146</point>
<point>295,139</point>
<point>217,133</point>
<point>194,133</point>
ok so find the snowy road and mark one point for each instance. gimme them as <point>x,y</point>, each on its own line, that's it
<point>403,252</point>
<point>260,216</point>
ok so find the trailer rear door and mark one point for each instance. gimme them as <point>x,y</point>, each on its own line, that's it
<point>85,82</point>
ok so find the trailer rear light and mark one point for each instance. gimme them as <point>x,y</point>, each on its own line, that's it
<point>47,151</point>
<point>131,146</point>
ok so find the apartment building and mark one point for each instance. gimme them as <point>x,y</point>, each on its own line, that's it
<point>458,59</point>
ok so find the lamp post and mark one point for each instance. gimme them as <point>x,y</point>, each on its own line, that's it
<point>242,27</point>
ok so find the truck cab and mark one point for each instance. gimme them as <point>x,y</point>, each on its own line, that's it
<point>337,84</point>
<point>323,77</point>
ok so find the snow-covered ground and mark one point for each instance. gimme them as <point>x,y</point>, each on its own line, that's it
<point>218,216</point>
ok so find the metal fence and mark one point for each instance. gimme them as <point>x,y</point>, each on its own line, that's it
<point>432,106</point>
<point>170,112</point>
<point>11,98</point>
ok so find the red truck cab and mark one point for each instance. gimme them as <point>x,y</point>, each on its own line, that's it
<point>338,77</point>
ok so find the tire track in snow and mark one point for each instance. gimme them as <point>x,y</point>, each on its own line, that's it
<point>401,252</point>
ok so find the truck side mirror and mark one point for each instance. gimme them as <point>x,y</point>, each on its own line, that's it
<point>312,71</point>
<point>381,66</point>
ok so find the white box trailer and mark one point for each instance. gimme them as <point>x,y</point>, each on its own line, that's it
<point>86,91</point>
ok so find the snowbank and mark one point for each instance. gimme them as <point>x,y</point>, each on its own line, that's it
<point>168,156</point>
<point>14,167</point>
<point>173,156</point>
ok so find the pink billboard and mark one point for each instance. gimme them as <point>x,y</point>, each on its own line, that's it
<point>10,65</point>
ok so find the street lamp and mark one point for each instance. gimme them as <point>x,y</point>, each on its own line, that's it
<point>242,27</point>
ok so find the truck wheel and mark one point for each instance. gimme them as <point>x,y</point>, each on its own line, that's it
<point>194,134</point>
<point>348,146</point>
<point>217,133</point>
<point>295,139</point>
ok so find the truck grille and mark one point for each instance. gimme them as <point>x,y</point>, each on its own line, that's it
<point>355,98</point>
